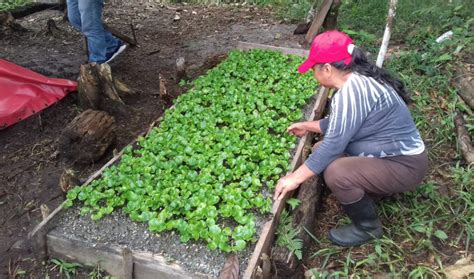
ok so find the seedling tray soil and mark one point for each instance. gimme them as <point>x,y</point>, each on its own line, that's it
<point>144,249</point>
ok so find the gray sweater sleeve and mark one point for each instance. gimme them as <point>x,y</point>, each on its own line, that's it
<point>323,125</point>
<point>348,112</point>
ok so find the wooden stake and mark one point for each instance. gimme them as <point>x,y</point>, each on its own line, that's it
<point>318,20</point>
<point>386,35</point>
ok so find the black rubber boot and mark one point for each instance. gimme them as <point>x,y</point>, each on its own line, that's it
<point>365,224</point>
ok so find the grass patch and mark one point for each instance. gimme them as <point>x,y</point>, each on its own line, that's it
<point>9,5</point>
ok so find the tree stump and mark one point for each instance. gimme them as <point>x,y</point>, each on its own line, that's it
<point>8,24</point>
<point>98,89</point>
<point>88,136</point>
<point>88,87</point>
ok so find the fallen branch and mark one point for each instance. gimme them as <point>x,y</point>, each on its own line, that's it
<point>465,85</point>
<point>464,139</point>
<point>121,36</point>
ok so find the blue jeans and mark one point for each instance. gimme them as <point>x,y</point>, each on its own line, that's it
<point>86,16</point>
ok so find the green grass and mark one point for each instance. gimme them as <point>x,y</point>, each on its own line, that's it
<point>9,5</point>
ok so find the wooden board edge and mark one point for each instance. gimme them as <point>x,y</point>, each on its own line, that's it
<point>143,265</point>
<point>285,50</point>
<point>268,232</point>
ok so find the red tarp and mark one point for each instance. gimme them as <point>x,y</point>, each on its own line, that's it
<point>24,92</point>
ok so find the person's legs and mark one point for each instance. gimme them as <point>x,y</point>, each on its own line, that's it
<point>100,42</point>
<point>352,178</point>
<point>73,14</point>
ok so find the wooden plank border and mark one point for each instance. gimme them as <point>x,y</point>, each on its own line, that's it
<point>268,232</point>
<point>117,261</point>
<point>285,50</point>
<point>266,237</point>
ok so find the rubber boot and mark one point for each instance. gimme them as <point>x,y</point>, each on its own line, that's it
<point>365,224</point>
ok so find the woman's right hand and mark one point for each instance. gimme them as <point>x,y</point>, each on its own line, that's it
<point>297,129</point>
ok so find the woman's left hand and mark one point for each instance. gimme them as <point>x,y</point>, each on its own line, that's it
<point>285,184</point>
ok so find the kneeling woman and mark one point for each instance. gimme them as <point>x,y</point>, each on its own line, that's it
<point>371,146</point>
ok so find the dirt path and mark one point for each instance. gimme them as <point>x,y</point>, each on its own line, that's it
<point>30,166</point>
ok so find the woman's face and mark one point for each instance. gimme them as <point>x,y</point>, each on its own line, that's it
<point>323,74</point>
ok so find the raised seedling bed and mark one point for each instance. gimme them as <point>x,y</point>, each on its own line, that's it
<point>186,194</point>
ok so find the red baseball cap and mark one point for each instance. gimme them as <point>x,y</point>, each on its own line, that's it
<point>328,47</point>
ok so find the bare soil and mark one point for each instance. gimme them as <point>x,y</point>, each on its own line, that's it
<point>30,165</point>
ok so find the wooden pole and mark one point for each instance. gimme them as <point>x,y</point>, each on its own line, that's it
<point>318,20</point>
<point>388,30</point>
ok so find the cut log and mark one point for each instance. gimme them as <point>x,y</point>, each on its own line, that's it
<point>88,87</point>
<point>8,24</point>
<point>464,82</point>
<point>110,100</point>
<point>99,90</point>
<point>464,139</point>
<point>88,136</point>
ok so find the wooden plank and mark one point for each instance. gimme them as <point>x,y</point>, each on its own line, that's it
<point>318,20</point>
<point>284,50</point>
<point>111,259</point>
<point>107,257</point>
<point>268,232</point>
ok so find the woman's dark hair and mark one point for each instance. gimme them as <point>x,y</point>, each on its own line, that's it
<point>361,65</point>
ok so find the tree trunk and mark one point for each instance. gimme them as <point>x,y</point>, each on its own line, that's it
<point>88,136</point>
